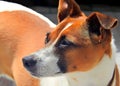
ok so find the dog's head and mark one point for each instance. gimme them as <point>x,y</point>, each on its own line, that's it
<point>78,42</point>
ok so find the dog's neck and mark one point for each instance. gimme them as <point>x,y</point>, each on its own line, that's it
<point>101,75</point>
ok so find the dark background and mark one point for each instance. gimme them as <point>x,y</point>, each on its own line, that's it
<point>54,3</point>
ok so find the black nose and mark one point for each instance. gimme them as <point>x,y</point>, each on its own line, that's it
<point>29,61</point>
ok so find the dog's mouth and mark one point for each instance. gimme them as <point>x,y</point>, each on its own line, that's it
<point>43,73</point>
<point>39,75</point>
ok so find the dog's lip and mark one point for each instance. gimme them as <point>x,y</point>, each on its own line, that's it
<point>58,72</point>
<point>39,75</point>
<point>36,75</point>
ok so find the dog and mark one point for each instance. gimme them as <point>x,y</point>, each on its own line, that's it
<point>22,31</point>
<point>79,51</point>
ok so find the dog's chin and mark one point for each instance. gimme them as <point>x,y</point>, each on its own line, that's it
<point>38,75</point>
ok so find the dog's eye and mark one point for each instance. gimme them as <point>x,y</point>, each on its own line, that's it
<point>47,39</point>
<point>64,43</point>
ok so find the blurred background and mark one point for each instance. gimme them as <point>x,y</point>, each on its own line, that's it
<point>49,9</point>
<point>54,3</point>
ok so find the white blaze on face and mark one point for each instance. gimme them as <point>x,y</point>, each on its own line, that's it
<point>66,27</point>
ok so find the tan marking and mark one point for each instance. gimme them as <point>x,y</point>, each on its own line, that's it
<point>21,33</point>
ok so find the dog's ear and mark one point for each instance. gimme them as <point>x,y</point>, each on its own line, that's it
<point>68,8</point>
<point>99,24</point>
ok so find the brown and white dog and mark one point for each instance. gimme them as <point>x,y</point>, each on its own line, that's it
<point>22,31</point>
<point>78,52</point>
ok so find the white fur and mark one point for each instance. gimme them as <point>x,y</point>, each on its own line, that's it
<point>118,59</point>
<point>10,6</point>
<point>46,65</point>
<point>54,81</point>
<point>68,25</point>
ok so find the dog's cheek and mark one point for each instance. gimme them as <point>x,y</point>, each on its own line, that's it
<point>80,59</point>
<point>71,63</point>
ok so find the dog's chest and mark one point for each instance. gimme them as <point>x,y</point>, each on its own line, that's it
<point>54,81</point>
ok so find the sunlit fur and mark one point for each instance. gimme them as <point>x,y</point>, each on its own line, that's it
<point>22,31</point>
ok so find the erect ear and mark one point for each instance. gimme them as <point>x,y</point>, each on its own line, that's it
<point>99,24</point>
<point>68,8</point>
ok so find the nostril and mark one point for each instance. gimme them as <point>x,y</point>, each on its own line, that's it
<point>29,61</point>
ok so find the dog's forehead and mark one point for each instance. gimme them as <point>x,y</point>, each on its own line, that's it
<point>69,24</point>
<point>74,22</point>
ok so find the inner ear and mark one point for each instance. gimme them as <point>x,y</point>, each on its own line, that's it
<point>96,31</point>
<point>94,25</point>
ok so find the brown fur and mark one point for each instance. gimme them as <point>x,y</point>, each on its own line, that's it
<point>21,33</point>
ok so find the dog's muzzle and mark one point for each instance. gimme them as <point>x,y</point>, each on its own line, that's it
<point>39,67</point>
